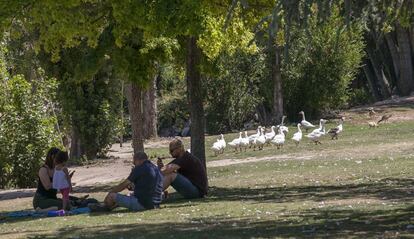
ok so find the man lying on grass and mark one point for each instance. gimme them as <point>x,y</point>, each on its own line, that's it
<point>147,182</point>
<point>186,173</point>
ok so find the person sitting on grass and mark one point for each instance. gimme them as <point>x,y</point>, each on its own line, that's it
<point>186,173</point>
<point>45,197</point>
<point>62,179</point>
<point>146,180</point>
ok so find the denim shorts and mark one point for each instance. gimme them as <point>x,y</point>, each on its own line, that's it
<point>129,202</point>
<point>184,187</point>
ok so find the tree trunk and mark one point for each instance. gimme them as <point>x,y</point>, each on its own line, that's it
<point>379,74</point>
<point>394,54</point>
<point>405,82</point>
<point>134,96</point>
<point>277,107</point>
<point>195,98</point>
<point>371,82</point>
<point>263,115</point>
<point>412,40</point>
<point>150,110</point>
<point>75,144</point>
<point>121,134</point>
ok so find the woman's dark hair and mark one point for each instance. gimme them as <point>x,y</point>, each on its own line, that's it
<point>50,156</point>
<point>61,157</point>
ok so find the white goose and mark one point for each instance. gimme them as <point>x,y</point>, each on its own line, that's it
<point>279,139</point>
<point>334,132</point>
<point>244,143</point>
<point>283,128</point>
<point>297,137</point>
<point>216,147</point>
<point>269,136</point>
<point>321,124</point>
<point>315,136</point>
<point>236,142</point>
<point>219,146</point>
<point>254,136</point>
<point>260,141</point>
<point>306,125</point>
<point>222,143</point>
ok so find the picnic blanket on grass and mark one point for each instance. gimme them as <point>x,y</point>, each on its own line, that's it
<point>32,213</point>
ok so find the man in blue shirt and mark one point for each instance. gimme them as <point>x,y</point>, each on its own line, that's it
<point>147,182</point>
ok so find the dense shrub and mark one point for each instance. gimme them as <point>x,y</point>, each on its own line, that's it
<point>233,94</point>
<point>173,110</point>
<point>322,63</point>
<point>27,127</point>
<point>93,109</point>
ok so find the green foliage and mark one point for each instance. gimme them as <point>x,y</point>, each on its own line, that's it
<point>233,95</point>
<point>172,105</point>
<point>359,96</point>
<point>27,127</point>
<point>323,61</point>
<point>92,108</point>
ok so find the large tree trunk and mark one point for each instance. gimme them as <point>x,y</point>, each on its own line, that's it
<point>121,135</point>
<point>371,81</point>
<point>379,74</point>
<point>412,40</point>
<point>395,58</point>
<point>195,97</point>
<point>405,82</point>
<point>263,115</point>
<point>133,93</point>
<point>277,108</point>
<point>76,149</point>
<point>150,110</point>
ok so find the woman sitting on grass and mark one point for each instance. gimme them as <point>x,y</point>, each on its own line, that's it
<point>45,196</point>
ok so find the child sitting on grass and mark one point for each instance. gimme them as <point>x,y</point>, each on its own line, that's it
<point>61,178</point>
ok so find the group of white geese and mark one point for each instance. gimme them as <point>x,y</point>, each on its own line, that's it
<point>278,137</point>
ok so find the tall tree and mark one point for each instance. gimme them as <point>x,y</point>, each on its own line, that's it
<point>68,24</point>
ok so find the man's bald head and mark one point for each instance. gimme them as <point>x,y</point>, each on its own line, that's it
<point>176,143</point>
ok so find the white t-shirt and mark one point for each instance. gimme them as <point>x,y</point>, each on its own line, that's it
<point>59,180</point>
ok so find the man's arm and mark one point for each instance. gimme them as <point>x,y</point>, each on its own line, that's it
<point>120,187</point>
<point>169,168</point>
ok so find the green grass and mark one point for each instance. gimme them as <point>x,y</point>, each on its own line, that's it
<point>354,137</point>
<point>360,186</point>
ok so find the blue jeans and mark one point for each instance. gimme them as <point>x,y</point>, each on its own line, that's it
<point>184,187</point>
<point>129,202</point>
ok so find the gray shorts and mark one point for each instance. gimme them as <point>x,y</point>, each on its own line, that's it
<point>129,202</point>
<point>184,187</point>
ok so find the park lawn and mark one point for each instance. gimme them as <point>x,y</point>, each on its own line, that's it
<point>359,186</point>
<point>390,139</point>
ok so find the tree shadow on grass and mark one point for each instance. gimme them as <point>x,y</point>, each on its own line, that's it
<point>395,189</point>
<point>326,222</point>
